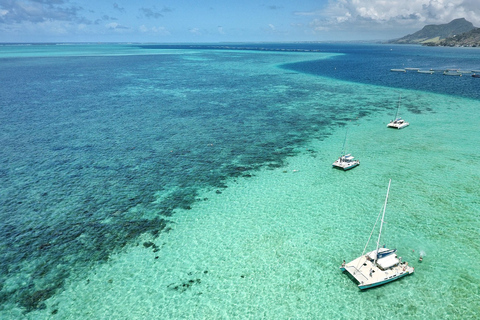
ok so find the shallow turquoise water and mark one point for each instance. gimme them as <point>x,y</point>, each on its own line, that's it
<point>229,157</point>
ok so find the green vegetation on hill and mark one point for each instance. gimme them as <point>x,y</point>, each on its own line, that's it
<point>467,39</point>
<point>434,34</point>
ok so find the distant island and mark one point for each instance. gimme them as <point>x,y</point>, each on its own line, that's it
<point>457,33</point>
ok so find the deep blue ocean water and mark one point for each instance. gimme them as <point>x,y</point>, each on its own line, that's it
<point>98,150</point>
<point>371,64</point>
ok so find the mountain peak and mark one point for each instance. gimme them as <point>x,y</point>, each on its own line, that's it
<point>437,32</point>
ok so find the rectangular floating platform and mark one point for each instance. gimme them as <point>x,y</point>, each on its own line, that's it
<point>458,74</point>
<point>447,72</point>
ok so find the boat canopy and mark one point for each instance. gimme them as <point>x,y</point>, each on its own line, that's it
<point>382,253</point>
<point>388,261</point>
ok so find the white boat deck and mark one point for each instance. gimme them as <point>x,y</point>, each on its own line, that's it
<point>368,274</point>
<point>346,162</point>
<point>398,124</point>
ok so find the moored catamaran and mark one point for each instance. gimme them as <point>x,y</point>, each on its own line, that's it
<point>379,266</point>
<point>398,123</point>
<point>346,161</point>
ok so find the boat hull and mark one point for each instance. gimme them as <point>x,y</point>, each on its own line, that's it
<point>345,167</point>
<point>398,126</point>
<point>368,274</point>
<point>364,287</point>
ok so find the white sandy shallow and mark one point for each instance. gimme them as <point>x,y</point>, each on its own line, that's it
<point>269,246</point>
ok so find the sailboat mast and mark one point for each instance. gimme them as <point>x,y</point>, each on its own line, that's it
<point>345,144</point>
<point>398,107</point>
<point>381,224</point>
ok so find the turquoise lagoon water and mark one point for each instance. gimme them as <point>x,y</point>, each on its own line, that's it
<point>193,182</point>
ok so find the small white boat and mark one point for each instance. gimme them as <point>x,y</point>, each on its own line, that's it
<point>346,161</point>
<point>398,70</point>
<point>379,266</point>
<point>398,123</point>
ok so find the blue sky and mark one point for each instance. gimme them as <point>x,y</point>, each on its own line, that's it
<point>223,20</point>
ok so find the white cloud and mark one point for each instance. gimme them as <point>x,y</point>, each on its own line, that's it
<point>112,25</point>
<point>115,26</point>
<point>38,11</point>
<point>391,14</point>
<point>161,31</point>
<point>195,31</point>
<point>154,30</point>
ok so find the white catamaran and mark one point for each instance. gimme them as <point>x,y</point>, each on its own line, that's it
<point>346,161</point>
<point>379,266</point>
<point>398,123</point>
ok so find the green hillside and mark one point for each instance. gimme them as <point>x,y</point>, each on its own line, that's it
<point>467,39</point>
<point>435,33</point>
